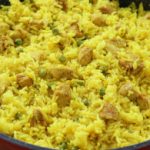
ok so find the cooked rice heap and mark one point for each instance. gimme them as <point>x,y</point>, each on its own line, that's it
<point>75,74</point>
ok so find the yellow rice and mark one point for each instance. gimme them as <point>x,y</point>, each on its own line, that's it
<point>76,126</point>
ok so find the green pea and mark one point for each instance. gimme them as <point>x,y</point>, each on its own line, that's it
<point>17,116</point>
<point>86,102</point>
<point>80,42</point>
<point>91,1</point>
<point>102,92</point>
<point>42,72</point>
<point>18,42</point>
<point>76,119</point>
<point>80,82</point>
<point>50,84</point>
<point>104,70</point>
<point>62,58</point>
<point>55,31</point>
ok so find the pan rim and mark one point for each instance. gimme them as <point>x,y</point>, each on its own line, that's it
<point>34,147</point>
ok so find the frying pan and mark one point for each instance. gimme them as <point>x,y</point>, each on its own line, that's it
<point>9,143</point>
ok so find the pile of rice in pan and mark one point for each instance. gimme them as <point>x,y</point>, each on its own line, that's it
<point>75,74</point>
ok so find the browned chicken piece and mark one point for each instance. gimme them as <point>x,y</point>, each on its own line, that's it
<point>128,90</point>
<point>99,20</point>
<point>93,136</point>
<point>19,34</point>
<point>63,4</point>
<point>125,89</point>
<point>109,111</point>
<point>63,95</point>
<point>34,7</point>
<point>23,80</point>
<point>38,118</point>
<point>133,95</point>
<point>79,33</point>
<point>128,66</point>
<point>61,72</point>
<point>61,45</point>
<point>85,56</point>
<point>107,9</point>
<point>139,68</point>
<point>143,101</point>
<point>5,43</point>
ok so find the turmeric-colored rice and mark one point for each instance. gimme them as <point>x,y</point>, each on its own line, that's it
<point>75,74</point>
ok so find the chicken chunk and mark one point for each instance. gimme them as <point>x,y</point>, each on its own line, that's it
<point>63,4</point>
<point>139,68</point>
<point>34,6</point>
<point>24,80</point>
<point>78,33</point>
<point>99,20</point>
<point>63,95</point>
<point>125,89</point>
<point>61,72</point>
<point>85,56</point>
<point>37,118</point>
<point>109,111</point>
<point>128,90</point>
<point>5,42</point>
<point>106,9</point>
<point>128,66</point>
<point>143,101</point>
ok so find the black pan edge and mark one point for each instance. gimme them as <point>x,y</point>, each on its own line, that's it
<point>22,144</point>
<point>33,147</point>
